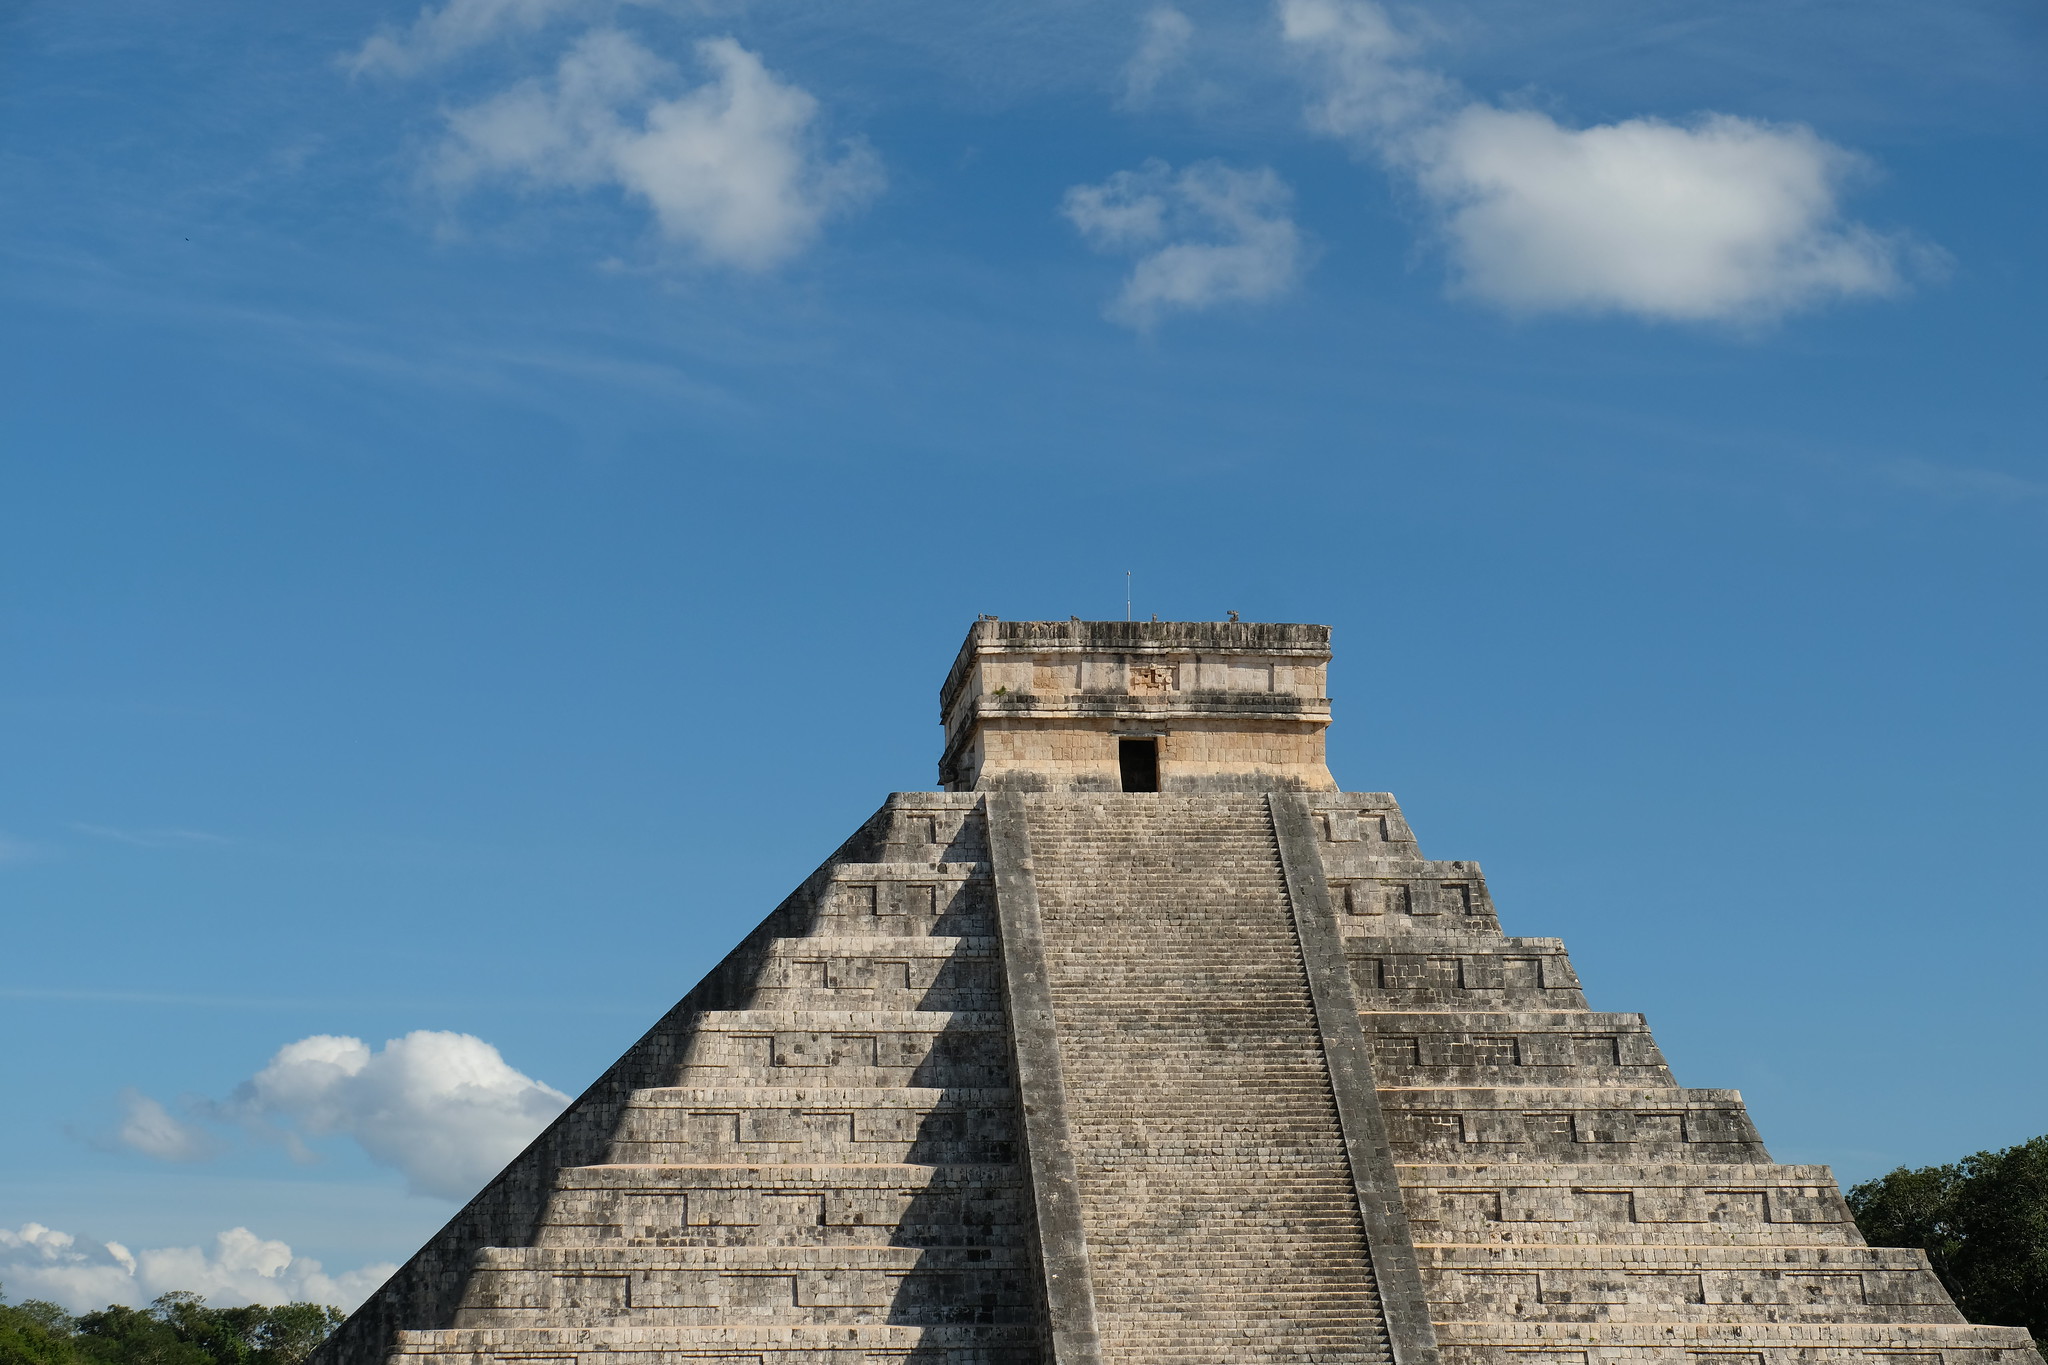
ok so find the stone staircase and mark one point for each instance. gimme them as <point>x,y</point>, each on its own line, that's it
<point>1570,1202</point>
<point>813,1162</point>
<point>1221,1220</point>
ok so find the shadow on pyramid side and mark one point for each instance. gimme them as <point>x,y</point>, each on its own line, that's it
<point>816,1149</point>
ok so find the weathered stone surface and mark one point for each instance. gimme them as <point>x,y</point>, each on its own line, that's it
<point>1571,1204</point>
<point>815,1159</point>
<point>1216,1192</point>
<point>1039,1070</point>
<point>1233,707</point>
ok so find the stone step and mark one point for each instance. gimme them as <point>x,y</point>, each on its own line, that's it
<point>1673,1098</point>
<point>907,871</point>
<point>1469,1342</point>
<point>1568,1124</point>
<point>1646,1237</point>
<point>1393,1070</point>
<point>712,1124</point>
<point>681,1286</point>
<point>856,1048</point>
<point>1442,970</point>
<point>795,1204</point>
<point>852,1020</point>
<point>865,945</point>
<point>857,1097</point>
<point>885,900</point>
<point>1377,896</point>
<point>761,1175</point>
<point>728,1344</point>
<point>768,1299</point>
<point>907,927</point>
<point>1672,1203</point>
<point>877,997</point>
<point>1425,974</point>
<point>820,1143</point>
<point>1869,1284</point>
<point>1689,1293</point>
<point>1494,1021</point>
<point>913,829</point>
<point>903,972</point>
<point>1492,953</point>
<point>948,1071</point>
<point>1702,1255</point>
<point>636,1260</point>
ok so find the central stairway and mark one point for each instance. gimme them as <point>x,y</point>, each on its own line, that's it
<point>1221,1219</point>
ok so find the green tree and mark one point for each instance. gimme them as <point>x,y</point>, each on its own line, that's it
<point>288,1333</point>
<point>1983,1223</point>
<point>120,1335</point>
<point>178,1329</point>
<point>36,1333</point>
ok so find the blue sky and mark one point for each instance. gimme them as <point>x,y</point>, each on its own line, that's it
<point>491,492</point>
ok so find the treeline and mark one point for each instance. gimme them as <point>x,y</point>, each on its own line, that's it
<point>178,1329</point>
<point>1983,1223</point>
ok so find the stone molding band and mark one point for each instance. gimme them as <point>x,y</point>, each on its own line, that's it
<point>1396,1271</point>
<point>1041,1089</point>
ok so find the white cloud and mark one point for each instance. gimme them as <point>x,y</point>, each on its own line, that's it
<point>149,1128</point>
<point>443,1108</point>
<point>80,1274</point>
<point>1161,48</point>
<point>733,169</point>
<point>1205,235</point>
<point>1370,86</point>
<point>1722,219</point>
<point>13,850</point>
<point>1726,218</point>
<point>443,31</point>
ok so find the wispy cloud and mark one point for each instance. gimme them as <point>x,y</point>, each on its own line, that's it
<point>13,850</point>
<point>1371,85</point>
<point>79,1274</point>
<point>735,169</point>
<point>1961,481</point>
<point>443,31</point>
<point>1205,235</point>
<point>148,1128</point>
<point>153,838</point>
<point>1715,219</point>
<point>1162,48</point>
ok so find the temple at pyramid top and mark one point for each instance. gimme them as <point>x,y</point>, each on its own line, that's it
<point>1187,707</point>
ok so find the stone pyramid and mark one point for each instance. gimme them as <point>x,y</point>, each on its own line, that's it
<point>1141,1044</point>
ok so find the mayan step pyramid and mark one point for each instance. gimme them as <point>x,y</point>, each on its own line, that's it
<point>1142,1044</point>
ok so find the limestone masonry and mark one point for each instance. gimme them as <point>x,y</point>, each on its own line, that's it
<point>1045,706</point>
<point>1141,1044</point>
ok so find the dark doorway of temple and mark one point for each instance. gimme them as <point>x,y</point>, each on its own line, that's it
<point>1139,761</point>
